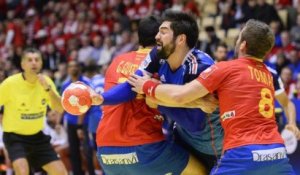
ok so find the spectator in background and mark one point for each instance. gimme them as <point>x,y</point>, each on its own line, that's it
<point>107,51</point>
<point>266,12</point>
<point>288,83</point>
<point>95,112</point>
<point>60,75</point>
<point>97,48</point>
<point>85,50</point>
<point>59,140</point>
<point>52,58</point>
<point>295,64</point>
<point>295,33</point>
<point>77,125</point>
<point>210,46</point>
<point>221,52</point>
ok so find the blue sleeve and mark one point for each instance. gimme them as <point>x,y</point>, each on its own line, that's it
<point>190,119</point>
<point>151,63</point>
<point>120,93</point>
<point>195,68</point>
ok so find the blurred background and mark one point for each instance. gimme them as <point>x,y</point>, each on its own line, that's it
<point>93,32</point>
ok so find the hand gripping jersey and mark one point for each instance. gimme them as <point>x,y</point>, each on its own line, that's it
<point>246,95</point>
<point>192,125</point>
<point>130,123</point>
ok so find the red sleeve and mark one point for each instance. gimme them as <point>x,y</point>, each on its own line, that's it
<point>213,77</point>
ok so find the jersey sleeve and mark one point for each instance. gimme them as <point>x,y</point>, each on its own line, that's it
<point>212,77</point>
<point>4,90</point>
<point>120,93</point>
<point>51,83</point>
<point>194,68</point>
<point>151,62</point>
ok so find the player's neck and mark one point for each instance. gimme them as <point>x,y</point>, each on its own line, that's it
<point>250,57</point>
<point>30,77</point>
<point>176,58</point>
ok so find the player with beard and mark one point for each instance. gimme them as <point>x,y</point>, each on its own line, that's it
<point>252,144</point>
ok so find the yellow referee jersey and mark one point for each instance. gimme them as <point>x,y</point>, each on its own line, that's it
<point>25,104</point>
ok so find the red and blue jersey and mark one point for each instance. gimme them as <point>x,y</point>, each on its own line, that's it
<point>246,96</point>
<point>130,123</point>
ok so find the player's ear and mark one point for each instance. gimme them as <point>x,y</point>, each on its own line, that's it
<point>181,39</point>
<point>243,46</point>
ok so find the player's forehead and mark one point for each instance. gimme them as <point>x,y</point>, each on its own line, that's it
<point>166,25</point>
<point>32,55</point>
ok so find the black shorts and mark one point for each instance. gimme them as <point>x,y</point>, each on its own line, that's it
<point>35,148</point>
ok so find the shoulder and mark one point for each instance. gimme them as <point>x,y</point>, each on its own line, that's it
<point>201,57</point>
<point>13,79</point>
<point>48,79</point>
<point>124,56</point>
<point>197,61</point>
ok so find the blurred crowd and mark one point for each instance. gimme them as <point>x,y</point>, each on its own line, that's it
<point>95,31</point>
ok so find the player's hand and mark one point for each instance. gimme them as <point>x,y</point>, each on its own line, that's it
<point>97,99</point>
<point>137,82</point>
<point>294,129</point>
<point>43,81</point>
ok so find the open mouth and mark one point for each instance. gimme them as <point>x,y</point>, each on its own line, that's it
<point>158,46</point>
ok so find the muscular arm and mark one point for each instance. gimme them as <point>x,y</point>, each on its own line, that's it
<point>55,101</point>
<point>180,94</point>
<point>290,112</point>
<point>207,104</point>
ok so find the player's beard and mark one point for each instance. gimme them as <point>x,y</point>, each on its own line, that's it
<point>166,51</point>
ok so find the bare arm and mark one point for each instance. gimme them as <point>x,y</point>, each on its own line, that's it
<point>207,103</point>
<point>290,112</point>
<point>55,99</point>
<point>169,93</point>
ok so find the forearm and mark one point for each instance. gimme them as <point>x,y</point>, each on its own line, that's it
<point>181,94</point>
<point>118,94</point>
<point>55,101</point>
<point>290,112</point>
<point>192,104</point>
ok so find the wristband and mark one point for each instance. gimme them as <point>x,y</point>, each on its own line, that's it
<point>149,88</point>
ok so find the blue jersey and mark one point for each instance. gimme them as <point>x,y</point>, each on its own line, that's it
<point>95,112</point>
<point>69,118</point>
<point>192,125</point>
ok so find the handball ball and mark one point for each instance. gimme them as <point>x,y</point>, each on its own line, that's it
<point>76,99</point>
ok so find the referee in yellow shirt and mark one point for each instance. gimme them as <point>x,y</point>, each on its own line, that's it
<point>25,97</point>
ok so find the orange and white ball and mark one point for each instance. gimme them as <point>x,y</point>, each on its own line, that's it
<point>76,98</point>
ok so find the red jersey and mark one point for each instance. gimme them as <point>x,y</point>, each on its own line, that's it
<point>246,96</point>
<point>131,123</point>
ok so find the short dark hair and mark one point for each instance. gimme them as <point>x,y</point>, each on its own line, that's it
<point>148,28</point>
<point>222,44</point>
<point>183,23</point>
<point>259,38</point>
<point>30,50</point>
